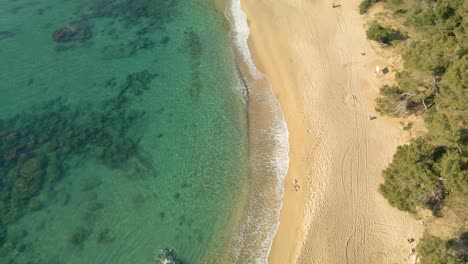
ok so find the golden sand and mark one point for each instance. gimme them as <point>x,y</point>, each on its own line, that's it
<point>312,55</point>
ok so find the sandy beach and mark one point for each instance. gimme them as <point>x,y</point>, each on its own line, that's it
<point>312,55</point>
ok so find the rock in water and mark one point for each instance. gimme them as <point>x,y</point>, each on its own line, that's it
<point>166,256</point>
<point>6,34</point>
<point>72,33</point>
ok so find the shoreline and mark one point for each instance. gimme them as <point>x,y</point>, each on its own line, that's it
<point>268,149</point>
<point>331,209</point>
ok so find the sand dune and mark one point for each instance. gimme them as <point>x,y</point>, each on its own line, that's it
<point>311,54</point>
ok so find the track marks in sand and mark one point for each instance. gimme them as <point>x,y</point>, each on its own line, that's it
<point>314,61</point>
<point>343,172</point>
<point>331,53</point>
<point>347,248</point>
<point>343,86</point>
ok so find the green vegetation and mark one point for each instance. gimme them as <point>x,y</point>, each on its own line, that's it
<point>365,4</point>
<point>412,179</point>
<point>389,98</point>
<point>434,250</point>
<point>380,33</point>
<point>431,171</point>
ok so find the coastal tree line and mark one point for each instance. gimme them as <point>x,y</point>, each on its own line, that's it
<point>431,171</point>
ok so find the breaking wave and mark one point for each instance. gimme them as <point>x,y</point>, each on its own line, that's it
<point>268,150</point>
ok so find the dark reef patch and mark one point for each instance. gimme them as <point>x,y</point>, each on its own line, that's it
<point>78,236</point>
<point>167,256</point>
<point>165,40</point>
<point>120,50</point>
<point>105,236</point>
<point>140,16</point>
<point>40,11</point>
<point>7,34</point>
<point>131,12</point>
<point>76,32</point>
<point>196,51</point>
<point>36,147</point>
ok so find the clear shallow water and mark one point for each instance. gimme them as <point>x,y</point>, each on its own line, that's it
<point>268,150</point>
<point>127,137</point>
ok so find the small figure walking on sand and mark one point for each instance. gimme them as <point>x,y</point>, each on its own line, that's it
<point>363,53</point>
<point>372,117</point>
<point>410,240</point>
<point>335,5</point>
<point>296,185</point>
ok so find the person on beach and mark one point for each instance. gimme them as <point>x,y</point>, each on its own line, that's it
<point>296,185</point>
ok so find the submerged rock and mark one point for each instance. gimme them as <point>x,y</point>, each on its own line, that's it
<point>3,234</point>
<point>78,236</point>
<point>105,236</point>
<point>72,33</point>
<point>28,181</point>
<point>35,205</point>
<point>7,34</point>
<point>166,256</point>
<point>35,148</point>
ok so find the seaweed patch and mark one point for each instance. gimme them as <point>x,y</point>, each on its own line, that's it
<point>35,148</point>
<point>196,50</point>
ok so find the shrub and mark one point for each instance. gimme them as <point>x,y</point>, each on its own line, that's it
<point>388,99</point>
<point>379,33</point>
<point>365,5</point>
<point>434,250</point>
<point>411,179</point>
<point>432,171</point>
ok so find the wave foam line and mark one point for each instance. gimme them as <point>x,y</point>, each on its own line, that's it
<point>269,150</point>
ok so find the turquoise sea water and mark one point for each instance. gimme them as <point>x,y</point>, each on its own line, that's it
<point>124,135</point>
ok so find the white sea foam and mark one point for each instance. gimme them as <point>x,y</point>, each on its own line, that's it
<point>240,32</point>
<point>261,220</point>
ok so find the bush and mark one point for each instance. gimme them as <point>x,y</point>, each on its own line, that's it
<point>365,4</point>
<point>379,33</point>
<point>388,99</point>
<point>432,171</point>
<point>453,169</point>
<point>434,250</point>
<point>454,86</point>
<point>427,56</point>
<point>411,180</point>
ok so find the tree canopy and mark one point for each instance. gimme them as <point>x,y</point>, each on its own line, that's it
<point>365,5</point>
<point>411,180</point>
<point>434,250</point>
<point>432,170</point>
<point>380,33</point>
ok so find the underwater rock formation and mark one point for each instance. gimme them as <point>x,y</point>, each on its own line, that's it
<point>105,236</point>
<point>29,179</point>
<point>78,236</point>
<point>196,51</point>
<point>6,34</point>
<point>166,256</point>
<point>36,148</point>
<point>35,205</point>
<point>75,32</point>
<point>3,234</point>
<point>132,11</point>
